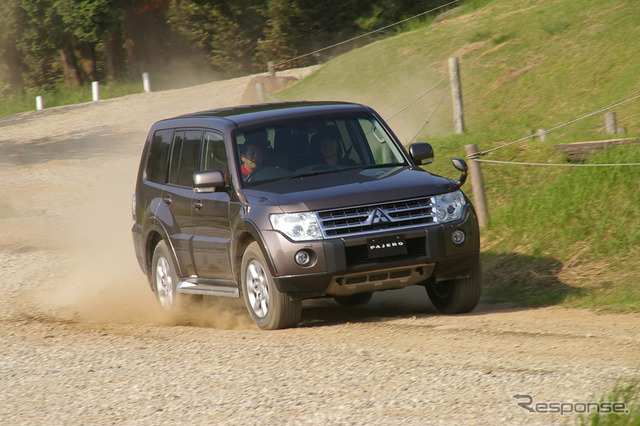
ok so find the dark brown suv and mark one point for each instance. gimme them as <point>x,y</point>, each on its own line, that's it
<point>283,202</point>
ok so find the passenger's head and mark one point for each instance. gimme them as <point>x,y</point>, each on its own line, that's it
<point>327,139</point>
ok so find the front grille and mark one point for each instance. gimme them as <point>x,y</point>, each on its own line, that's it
<point>358,255</point>
<point>377,217</point>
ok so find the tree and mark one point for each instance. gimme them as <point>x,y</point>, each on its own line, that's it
<point>42,41</point>
<point>227,32</point>
<point>301,26</point>
<point>11,20</point>
<point>87,23</point>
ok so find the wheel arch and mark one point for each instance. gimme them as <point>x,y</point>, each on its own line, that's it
<point>156,234</point>
<point>245,235</point>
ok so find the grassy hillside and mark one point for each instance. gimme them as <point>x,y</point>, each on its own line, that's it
<point>557,234</point>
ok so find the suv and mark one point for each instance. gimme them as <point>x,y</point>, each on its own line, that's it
<point>283,202</point>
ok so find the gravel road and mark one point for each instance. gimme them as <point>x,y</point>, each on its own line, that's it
<point>82,341</point>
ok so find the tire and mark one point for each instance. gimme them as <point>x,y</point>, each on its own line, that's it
<point>457,296</point>
<point>164,279</point>
<point>269,308</point>
<point>355,299</point>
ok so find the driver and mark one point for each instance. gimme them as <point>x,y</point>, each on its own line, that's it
<point>252,157</point>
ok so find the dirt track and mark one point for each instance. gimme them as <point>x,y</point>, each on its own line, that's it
<point>83,342</point>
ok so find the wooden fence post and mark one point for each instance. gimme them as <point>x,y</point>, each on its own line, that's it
<point>271,66</point>
<point>456,95</point>
<point>477,185</point>
<point>610,123</point>
<point>541,134</point>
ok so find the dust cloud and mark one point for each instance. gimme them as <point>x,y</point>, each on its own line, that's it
<point>103,282</point>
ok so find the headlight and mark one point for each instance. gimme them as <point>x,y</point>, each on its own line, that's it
<point>449,206</point>
<point>297,226</point>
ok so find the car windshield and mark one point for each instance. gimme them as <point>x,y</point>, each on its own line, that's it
<point>314,146</point>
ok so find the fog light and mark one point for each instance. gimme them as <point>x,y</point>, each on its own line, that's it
<point>458,238</point>
<point>303,258</point>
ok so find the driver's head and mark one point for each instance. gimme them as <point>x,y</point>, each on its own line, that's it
<point>252,155</point>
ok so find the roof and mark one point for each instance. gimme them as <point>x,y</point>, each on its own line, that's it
<point>250,115</point>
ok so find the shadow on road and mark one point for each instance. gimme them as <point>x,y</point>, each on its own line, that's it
<point>82,145</point>
<point>511,282</point>
<point>525,281</point>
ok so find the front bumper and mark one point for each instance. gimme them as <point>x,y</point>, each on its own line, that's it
<point>343,266</point>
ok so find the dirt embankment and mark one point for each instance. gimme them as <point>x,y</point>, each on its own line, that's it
<point>82,340</point>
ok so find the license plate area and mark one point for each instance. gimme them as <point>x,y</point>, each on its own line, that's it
<point>386,246</point>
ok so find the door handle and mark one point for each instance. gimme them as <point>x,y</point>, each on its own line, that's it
<point>166,199</point>
<point>197,204</point>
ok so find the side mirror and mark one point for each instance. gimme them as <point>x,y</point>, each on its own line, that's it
<point>460,165</point>
<point>207,180</point>
<point>421,153</point>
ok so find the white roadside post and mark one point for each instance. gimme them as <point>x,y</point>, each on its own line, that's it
<point>95,90</point>
<point>145,82</point>
<point>39,103</point>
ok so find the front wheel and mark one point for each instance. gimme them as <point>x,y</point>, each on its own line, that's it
<point>457,296</point>
<point>269,308</point>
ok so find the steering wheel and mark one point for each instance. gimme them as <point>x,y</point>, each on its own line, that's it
<point>267,172</point>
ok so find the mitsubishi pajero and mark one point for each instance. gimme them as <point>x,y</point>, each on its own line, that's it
<point>283,202</point>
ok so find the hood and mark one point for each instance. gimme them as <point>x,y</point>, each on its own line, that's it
<point>349,188</point>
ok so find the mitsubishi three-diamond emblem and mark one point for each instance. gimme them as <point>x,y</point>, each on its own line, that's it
<point>378,216</point>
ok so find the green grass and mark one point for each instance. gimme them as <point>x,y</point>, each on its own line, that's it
<point>65,96</point>
<point>628,394</point>
<point>557,235</point>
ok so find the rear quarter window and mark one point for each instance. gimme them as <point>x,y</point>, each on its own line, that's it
<point>156,169</point>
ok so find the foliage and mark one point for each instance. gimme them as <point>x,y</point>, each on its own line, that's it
<point>626,392</point>
<point>228,32</point>
<point>89,20</point>
<point>45,43</point>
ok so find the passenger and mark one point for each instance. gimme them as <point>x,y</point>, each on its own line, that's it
<point>252,154</point>
<point>327,144</point>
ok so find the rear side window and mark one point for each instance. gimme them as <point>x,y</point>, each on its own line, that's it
<point>156,170</point>
<point>185,159</point>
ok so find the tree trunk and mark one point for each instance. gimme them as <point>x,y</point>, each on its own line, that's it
<point>130,26</point>
<point>69,64</point>
<point>115,55</point>
<point>14,69</point>
<point>88,60</point>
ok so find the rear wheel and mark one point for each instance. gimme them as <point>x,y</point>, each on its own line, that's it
<point>164,278</point>
<point>269,308</point>
<point>457,296</point>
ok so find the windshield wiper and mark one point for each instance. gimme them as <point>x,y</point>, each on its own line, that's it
<point>318,172</point>
<point>381,166</point>
<point>342,169</point>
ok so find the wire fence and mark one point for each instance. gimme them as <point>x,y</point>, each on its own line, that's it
<point>428,120</point>
<point>416,100</point>
<point>520,163</point>
<point>629,98</point>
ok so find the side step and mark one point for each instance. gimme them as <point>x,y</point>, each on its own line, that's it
<point>226,288</point>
